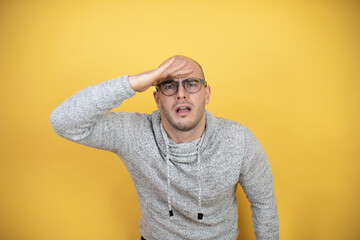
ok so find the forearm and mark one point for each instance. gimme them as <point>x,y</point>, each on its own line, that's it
<point>265,214</point>
<point>75,117</point>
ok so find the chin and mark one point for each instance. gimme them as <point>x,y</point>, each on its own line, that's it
<point>184,126</point>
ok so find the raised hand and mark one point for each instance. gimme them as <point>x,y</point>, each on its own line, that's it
<point>175,67</point>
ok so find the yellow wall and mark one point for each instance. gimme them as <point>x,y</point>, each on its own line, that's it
<point>289,70</point>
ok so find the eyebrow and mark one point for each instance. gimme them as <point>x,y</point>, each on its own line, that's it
<point>172,80</point>
<point>167,81</point>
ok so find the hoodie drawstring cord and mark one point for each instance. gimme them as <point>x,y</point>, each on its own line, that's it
<point>200,214</point>
<point>171,213</point>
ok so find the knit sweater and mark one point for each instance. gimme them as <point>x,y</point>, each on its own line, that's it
<point>195,182</point>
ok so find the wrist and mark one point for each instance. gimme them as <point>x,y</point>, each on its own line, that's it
<point>132,81</point>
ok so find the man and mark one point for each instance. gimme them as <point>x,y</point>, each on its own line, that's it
<point>185,163</point>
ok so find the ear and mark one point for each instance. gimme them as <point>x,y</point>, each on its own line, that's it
<point>156,95</point>
<point>207,94</point>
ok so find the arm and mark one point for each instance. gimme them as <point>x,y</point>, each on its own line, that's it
<point>86,115</point>
<point>86,118</point>
<point>257,181</point>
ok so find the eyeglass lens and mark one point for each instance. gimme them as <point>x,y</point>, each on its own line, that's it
<point>170,87</point>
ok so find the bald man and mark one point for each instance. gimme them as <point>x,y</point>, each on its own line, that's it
<point>185,163</point>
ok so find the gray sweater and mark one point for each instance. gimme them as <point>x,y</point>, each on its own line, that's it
<point>185,191</point>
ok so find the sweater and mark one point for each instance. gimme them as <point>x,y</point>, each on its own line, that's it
<point>187,190</point>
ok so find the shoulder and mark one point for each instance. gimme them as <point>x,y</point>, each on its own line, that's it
<point>231,132</point>
<point>231,128</point>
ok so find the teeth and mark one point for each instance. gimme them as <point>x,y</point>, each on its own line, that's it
<point>182,108</point>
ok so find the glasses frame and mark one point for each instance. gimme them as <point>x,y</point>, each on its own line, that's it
<point>202,82</point>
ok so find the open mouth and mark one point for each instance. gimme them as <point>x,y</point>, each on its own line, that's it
<point>183,109</point>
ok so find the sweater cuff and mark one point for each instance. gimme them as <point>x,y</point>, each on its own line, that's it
<point>126,86</point>
<point>121,85</point>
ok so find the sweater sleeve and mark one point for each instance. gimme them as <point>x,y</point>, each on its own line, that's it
<point>86,118</point>
<point>257,181</point>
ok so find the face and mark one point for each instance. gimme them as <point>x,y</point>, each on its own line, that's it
<point>184,111</point>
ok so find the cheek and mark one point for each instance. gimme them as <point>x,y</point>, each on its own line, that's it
<point>204,99</point>
<point>164,104</point>
<point>160,101</point>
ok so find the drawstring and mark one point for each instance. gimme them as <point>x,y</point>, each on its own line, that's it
<point>200,214</point>
<point>171,213</point>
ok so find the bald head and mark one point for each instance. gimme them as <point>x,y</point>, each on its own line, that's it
<point>190,62</point>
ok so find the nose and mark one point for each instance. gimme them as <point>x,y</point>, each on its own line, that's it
<point>181,92</point>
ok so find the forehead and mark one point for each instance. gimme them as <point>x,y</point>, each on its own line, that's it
<point>198,72</point>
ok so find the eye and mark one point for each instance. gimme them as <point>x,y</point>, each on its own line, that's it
<point>168,86</point>
<point>192,83</point>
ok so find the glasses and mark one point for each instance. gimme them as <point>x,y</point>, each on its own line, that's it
<point>191,85</point>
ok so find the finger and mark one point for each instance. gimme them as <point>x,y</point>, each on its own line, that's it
<point>172,70</point>
<point>166,65</point>
<point>182,72</point>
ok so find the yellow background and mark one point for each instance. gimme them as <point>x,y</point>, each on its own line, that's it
<point>289,70</point>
